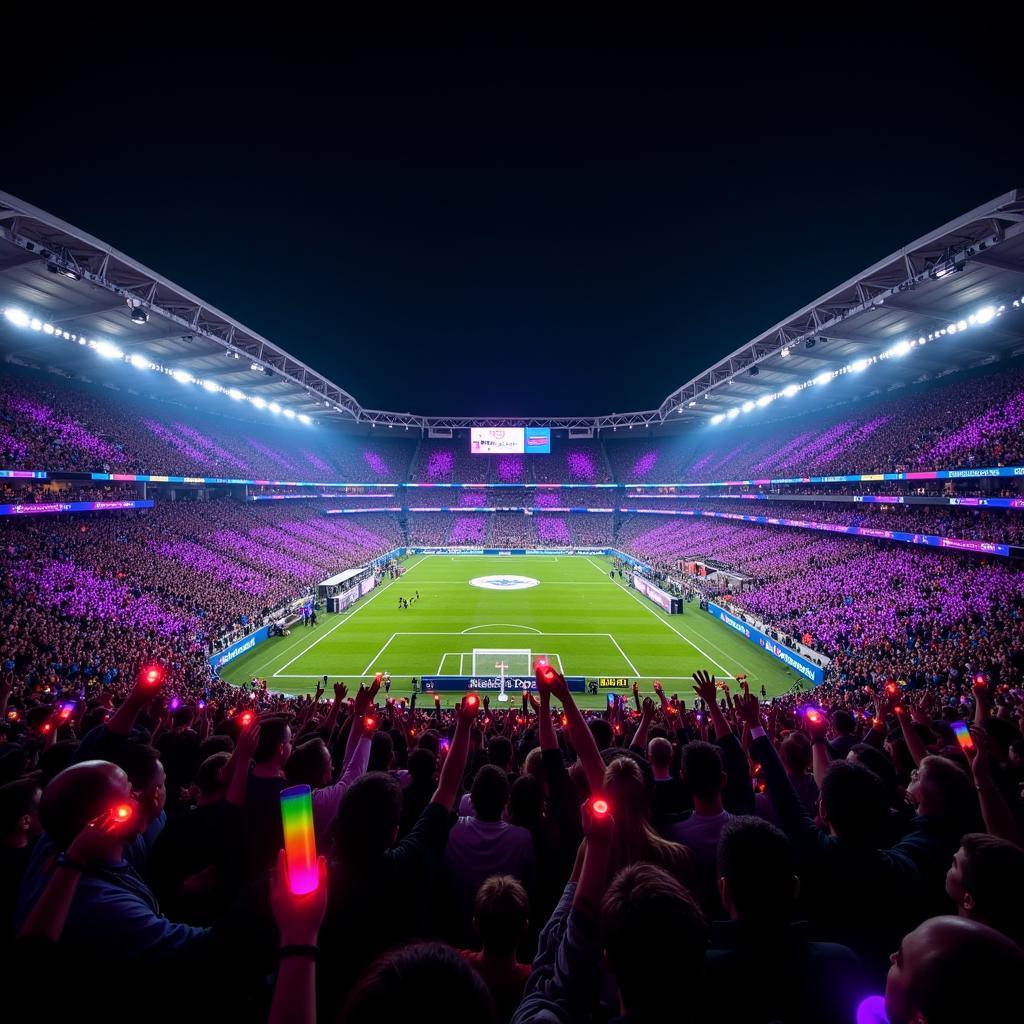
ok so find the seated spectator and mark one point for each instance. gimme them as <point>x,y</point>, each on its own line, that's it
<point>500,921</point>
<point>763,957</point>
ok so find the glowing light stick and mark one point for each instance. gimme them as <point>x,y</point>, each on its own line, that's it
<point>599,808</point>
<point>245,719</point>
<point>153,675</point>
<point>437,700</point>
<point>369,723</point>
<point>120,817</point>
<point>814,717</point>
<point>299,841</point>
<point>963,735</point>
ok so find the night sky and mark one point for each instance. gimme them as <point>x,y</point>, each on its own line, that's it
<point>487,230</point>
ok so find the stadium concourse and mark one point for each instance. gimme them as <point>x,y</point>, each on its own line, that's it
<point>764,649</point>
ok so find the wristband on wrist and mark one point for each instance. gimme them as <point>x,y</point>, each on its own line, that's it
<point>313,952</point>
<point>64,861</point>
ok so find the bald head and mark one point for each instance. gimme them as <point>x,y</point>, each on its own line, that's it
<point>952,969</point>
<point>77,795</point>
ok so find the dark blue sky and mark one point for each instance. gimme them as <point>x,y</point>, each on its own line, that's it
<point>486,230</point>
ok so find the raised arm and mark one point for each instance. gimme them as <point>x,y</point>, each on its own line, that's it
<point>580,736</point>
<point>455,763</point>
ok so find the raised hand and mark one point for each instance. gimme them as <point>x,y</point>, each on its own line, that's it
<point>340,691</point>
<point>101,837</point>
<point>704,686</point>
<point>748,708</point>
<point>298,918</point>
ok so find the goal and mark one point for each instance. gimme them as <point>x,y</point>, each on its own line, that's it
<point>517,661</point>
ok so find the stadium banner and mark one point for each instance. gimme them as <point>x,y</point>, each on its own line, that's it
<point>810,671</point>
<point>43,507</point>
<point>663,599</point>
<point>239,647</point>
<point>982,547</point>
<point>513,684</point>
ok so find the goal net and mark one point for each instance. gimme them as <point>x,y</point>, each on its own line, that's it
<point>517,661</point>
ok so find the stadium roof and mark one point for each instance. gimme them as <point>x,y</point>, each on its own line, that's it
<point>969,271</point>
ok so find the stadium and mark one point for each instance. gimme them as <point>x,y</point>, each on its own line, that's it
<point>771,628</point>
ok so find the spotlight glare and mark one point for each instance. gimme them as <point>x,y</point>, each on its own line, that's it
<point>985,314</point>
<point>716,419</point>
<point>733,413</point>
<point>107,350</point>
<point>211,385</point>
<point>35,324</point>
<point>784,353</point>
<point>303,418</point>
<point>47,328</point>
<point>901,348</point>
<point>274,407</point>
<point>790,390</point>
<point>18,317</point>
<point>235,394</point>
<point>765,400</point>
<point>747,406</point>
<point>289,414</point>
<point>183,377</point>
<point>860,365</point>
<point>258,402</point>
<point>823,378</point>
<point>139,362</point>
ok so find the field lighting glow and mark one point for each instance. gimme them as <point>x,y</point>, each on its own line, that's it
<point>981,316</point>
<point>18,317</point>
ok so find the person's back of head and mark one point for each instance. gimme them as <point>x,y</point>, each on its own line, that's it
<point>602,733</point>
<point>499,752</point>
<point>53,760</point>
<point>309,764</point>
<point>534,766</point>
<point>19,810</point>
<point>77,795</point>
<point>501,914</point>
<point>986,882</point>
<point>526,802</point>
<point>943,789</point>
<point>182,718</point>
<point>489,793</point>
<point>659,753</point>
<point>208,775</point>
<point>422,767</point>
<point>702,770</point>
<point>382,752</point>
<point>428,981</point>
<point>795,751</point>
<point>877,761</point>
<point>368,819</point>
<point>652,930</point>
<point>853,802</point>
<point>952,969</point>
<point>216,744</point>
<point>844,723</point>
<point>757,871</point>
<point>274,745</point>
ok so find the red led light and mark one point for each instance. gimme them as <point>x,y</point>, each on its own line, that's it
<point>369,723</point>
<point>152,675</point>
<point>814,716</point>
<point>245,719</point>
<point>437,699</point>
<point>892,689</point>
<point>599,807</point>
<point>472,700</point>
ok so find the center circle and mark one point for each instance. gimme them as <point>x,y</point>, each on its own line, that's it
<point>504,582</point>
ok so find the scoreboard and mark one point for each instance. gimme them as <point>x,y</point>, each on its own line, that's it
<point>613,683</point>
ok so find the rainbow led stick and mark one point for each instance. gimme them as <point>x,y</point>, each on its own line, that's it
<point>299,841</point>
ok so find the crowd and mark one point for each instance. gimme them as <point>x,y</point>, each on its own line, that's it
<point>697,855</point>
<point>879,611</point>
<point>971,419</point>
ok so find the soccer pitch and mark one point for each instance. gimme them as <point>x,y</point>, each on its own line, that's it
<point>582,620</point>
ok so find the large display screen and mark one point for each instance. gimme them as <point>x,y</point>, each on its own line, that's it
<point>510,440</point>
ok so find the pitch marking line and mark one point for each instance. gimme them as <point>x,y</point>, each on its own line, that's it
<point>682,636</point>
<point>366,671</point>
<point>359,607</point>
<point>623,653</point>
<point>527,629</point>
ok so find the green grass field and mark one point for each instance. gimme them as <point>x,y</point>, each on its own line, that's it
<point>575,615</point>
